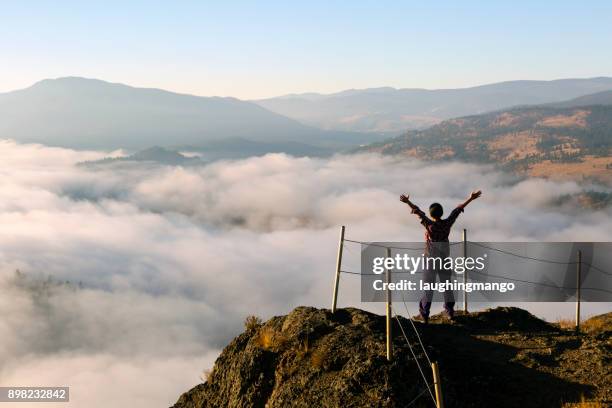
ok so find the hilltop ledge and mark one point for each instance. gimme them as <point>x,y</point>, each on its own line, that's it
<point>503,357</point>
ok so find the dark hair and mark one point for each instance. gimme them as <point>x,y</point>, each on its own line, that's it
<point>436,210</point>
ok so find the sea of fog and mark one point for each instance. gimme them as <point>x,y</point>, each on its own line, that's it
<point>132,279</point>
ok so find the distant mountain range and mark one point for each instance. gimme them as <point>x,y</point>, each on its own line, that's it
<point>572,142</point>
<point>88,113</point>
<point>391,111</point>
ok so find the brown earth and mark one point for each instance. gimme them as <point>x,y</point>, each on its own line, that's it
<point>576,119</point>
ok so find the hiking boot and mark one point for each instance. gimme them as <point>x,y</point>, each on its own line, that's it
<point>424,308</point>
<point>425,318</point>
<point>449,308</point>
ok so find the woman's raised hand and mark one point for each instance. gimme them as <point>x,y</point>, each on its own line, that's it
<point>475,194</point>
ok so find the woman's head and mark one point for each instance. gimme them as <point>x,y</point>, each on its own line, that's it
<point>436,211</point>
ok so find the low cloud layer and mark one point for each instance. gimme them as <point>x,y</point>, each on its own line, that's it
<point>165,262</point>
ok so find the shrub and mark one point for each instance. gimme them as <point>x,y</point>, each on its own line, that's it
<point>252,323</point>
<point>269,339</point>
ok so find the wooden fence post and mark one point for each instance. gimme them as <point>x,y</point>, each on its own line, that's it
<point>578,284</point>
<point>389,312</point>
<point>338,268</point>
<point>465,295</point>
<point>437,385</point>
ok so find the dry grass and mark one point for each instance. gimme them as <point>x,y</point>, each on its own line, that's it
<point>584,404</point>
<point>252,323</point>
<point>270,339</point>
<point>513,145</point>
<point>317,358</point>
<point>577,119</point>
<point>504,120</point>
<point>589,167</point>
<point>565,323</point>
<point>597,325</point>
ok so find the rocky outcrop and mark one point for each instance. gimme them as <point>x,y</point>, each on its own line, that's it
<point>502,357</point>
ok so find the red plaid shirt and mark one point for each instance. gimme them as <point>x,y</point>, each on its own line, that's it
<point>437,231</point>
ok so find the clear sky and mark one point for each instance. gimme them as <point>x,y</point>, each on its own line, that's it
<point>256,49</point>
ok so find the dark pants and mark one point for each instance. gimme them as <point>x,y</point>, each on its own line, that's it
<point>429,276</point>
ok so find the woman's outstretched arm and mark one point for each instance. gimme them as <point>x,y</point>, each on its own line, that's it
<point>404,198</point>
<point>416,210</point>
<point>473,196</point>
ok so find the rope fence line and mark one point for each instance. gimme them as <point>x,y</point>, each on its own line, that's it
<point>423,391</point>
<point>539,283</point>
<point>352,251</point>
<point>392,247</point>
<point>415,329</point>
<point>498,277</point>
<point>438,399</point>
<point>356,273</point>
<point>378,274</point>
<point>542,260</point>
<point>493,249</point>
<point>416,359</point>
<point>523,256</point>
<point>382,246</point>
<point>596,268</point>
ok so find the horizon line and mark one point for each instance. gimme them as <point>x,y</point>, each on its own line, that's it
<point>298,94</point>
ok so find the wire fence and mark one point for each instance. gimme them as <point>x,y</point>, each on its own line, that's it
<point>391,312</point>
<point>550,261</point>
<point>415,399</point>
<point>416,360</point>
<point>427,388</point>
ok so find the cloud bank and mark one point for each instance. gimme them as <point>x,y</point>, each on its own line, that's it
<point>164,263</point>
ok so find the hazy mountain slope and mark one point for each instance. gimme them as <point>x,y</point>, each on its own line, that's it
<point>210,151</point>
<point>393,110</point>
<point>155,154</point>
<point>235,148</point>
<point>570,143</point>
<point>599,98</point>
<point>87,113</point>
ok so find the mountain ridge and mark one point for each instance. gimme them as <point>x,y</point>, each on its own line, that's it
<point>542,141</point>
<point>598,98</point>
<point>391,110</point>
<point>79,112</point>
